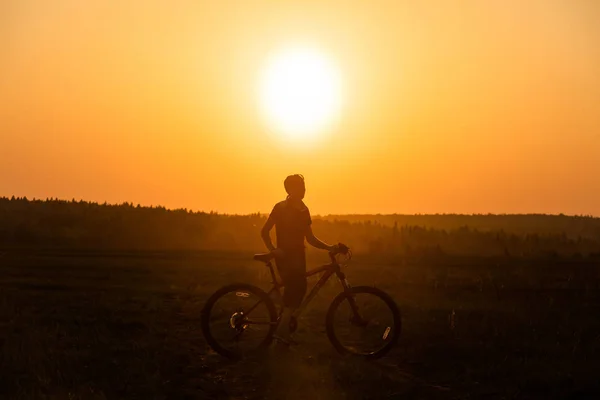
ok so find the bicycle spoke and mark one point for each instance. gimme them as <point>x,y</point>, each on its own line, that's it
<point>236,335</point>
<point>253,307</point>
<point>218,315</point>
<point>253,322</point>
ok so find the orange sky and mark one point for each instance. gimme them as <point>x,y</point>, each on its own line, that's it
<point>466,107</point>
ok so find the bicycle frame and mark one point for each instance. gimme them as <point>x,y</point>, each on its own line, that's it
<point>329,269</point>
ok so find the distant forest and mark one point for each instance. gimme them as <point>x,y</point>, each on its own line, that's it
<point>53,223</point>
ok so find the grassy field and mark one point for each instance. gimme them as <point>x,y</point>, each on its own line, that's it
<point>126,325</point>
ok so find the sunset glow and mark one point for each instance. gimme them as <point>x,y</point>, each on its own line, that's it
<point>384,107</point>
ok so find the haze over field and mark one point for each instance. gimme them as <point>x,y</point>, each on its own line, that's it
<point>488,107</point>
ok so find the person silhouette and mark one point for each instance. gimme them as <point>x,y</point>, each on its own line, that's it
<point>292,221</point>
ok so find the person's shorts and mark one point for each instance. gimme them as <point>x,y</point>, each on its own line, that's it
<point>292,269</point>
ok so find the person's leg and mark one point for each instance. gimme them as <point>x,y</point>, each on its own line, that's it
<point>293,274</point>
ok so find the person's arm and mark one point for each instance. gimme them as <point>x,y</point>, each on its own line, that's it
<point>265,232</point>
<point>316,242</point>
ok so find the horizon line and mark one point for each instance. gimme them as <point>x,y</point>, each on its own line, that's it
<point>317,215</point>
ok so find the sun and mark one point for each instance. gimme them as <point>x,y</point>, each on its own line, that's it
<point>300,93</point>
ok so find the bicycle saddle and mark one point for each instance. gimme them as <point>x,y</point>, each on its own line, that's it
<point>263,257</point>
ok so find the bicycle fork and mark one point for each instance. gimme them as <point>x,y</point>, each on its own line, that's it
<point>355,318</point>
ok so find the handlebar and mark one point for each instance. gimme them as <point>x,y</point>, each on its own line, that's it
<point>341,249</point>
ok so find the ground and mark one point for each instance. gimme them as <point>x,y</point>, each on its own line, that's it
<point>126,325</point>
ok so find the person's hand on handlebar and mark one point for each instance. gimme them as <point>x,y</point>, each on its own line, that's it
<point>339,248</point>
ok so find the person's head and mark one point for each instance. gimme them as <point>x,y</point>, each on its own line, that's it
<point>294,186</point>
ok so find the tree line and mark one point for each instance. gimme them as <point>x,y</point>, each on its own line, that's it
<point>54,223</point>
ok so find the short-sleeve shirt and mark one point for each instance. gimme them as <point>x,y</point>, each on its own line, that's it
<point>290,225</point>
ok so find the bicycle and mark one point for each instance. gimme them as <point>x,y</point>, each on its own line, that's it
<point>255,318</point>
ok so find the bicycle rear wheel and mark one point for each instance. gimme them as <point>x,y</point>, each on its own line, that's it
<point>364,321</point>
<point>238,319</point>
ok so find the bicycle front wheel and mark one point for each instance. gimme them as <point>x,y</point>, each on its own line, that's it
<point>363,321</point>
<point>238,319</point>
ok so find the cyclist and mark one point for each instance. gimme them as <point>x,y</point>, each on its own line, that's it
<point>292,222</point>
